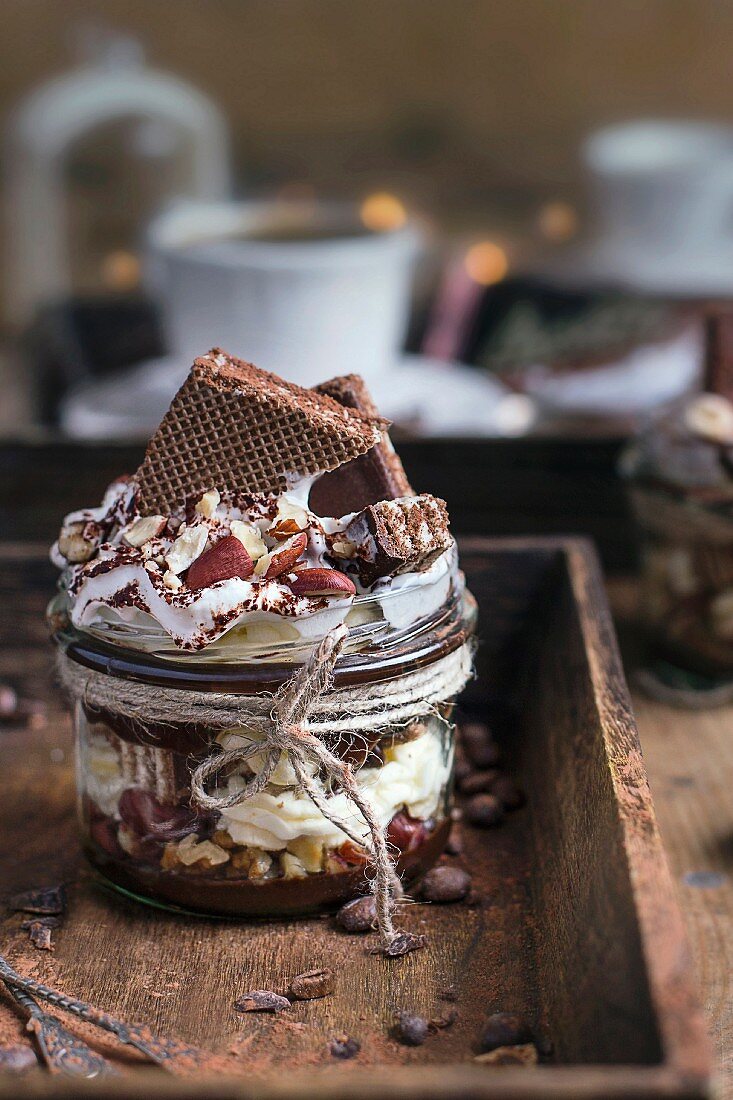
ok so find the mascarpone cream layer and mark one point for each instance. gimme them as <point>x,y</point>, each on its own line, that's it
<point>413,776</point>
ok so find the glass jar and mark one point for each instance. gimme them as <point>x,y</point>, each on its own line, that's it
<point>681,489</point>
<point>273,853</point>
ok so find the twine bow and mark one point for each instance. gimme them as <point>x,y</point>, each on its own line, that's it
<point>289,733</point>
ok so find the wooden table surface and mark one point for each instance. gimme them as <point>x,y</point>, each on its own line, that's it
<point>689,760</point>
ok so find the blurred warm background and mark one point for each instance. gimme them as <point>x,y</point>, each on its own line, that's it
<point>532,214</point>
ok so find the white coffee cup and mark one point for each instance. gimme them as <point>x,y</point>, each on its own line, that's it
<point>299,288</point>
<point>662,188</point>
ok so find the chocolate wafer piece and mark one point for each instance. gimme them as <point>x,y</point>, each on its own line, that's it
<point>374,476</point>
<point>399,536</point>
<point>718,372</point>
<point>233,426</point>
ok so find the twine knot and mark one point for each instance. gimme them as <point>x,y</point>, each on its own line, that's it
<point>293,704</point>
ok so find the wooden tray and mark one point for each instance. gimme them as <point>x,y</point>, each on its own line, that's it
<point>578,927</point>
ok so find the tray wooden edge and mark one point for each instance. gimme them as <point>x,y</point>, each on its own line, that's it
<point>673,987</point>
<point>686,1069</point>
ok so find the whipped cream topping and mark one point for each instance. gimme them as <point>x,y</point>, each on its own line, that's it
<point>121,568</point>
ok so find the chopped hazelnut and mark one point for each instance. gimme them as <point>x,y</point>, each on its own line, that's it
<point>149,527</point>
<point>188,546</point>
<point>250,538</point>
<point>208,504</point>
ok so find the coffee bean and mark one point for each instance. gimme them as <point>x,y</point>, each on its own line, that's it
<point>484,810</point>
<point>478,745</point>
<point>411,1030</point>
<point>461,769</point>
<point>454,845</point>
<point>358,915</point>
<point>507,791</point>
<point>479,782</point>
<point>445,884</point>
<point>312,984</point>
<point>343,1046</point>
<point>504,1029</point>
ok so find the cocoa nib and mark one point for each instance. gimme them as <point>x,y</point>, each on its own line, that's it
<point>343,1046</point>
<point>312,985</point>
<point>358,915</point>
<point>402,944</point>
<point>39,930</point>
<point>48,901</point>
<point>261,1000</point>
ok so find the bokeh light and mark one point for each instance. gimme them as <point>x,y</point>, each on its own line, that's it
<point>486,262</point>
<point>120,270</point>
<point>382,211</point>
<point>557,221</point>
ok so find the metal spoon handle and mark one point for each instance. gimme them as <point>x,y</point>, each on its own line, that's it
<point>161,1051</point>
<point>62,1052</point>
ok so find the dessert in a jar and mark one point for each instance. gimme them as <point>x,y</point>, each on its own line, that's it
<point>263,631</point>
<point>679,471</point>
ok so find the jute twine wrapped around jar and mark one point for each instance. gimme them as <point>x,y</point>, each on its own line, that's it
<point>295,720</point>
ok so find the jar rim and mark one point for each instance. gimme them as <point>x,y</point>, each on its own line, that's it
<point>430,641</point>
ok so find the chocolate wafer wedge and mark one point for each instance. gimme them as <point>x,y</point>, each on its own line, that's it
<point>233,426</point>
<point>374,476</point>
<point>399,536</point>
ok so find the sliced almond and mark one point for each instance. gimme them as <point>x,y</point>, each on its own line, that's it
<point>145,529</point>
<point>309,850</point>
<point>190,850</point>
<point>250,538</point>
<point>292,867</point>
<point>209,503</point>
<point>187,547</point>
<point>263,565</point>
